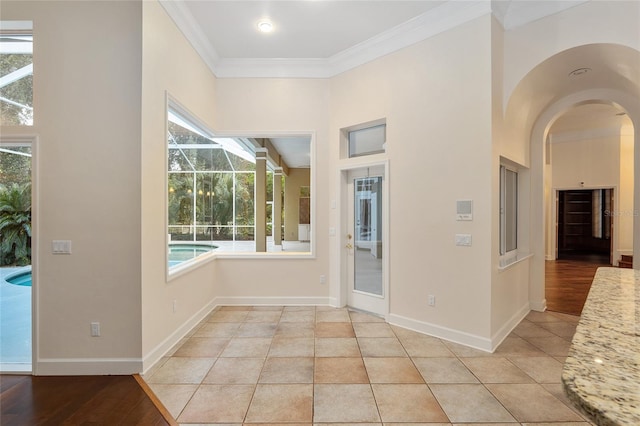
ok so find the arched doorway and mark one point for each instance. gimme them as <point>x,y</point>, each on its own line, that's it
<point>551,89</point>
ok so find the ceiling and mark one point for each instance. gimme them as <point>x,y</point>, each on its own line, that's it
<point>590,116</point>
<point>322,38</point>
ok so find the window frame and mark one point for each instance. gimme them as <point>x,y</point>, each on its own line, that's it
<point>505,250</point>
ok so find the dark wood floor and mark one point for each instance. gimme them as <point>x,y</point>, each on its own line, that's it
<point>568,280</point>
<point>78,400</point>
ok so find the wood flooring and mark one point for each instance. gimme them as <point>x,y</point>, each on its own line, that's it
<point>567,282</point>
<point>77,400</point>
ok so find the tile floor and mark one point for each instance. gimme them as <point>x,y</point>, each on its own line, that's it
<point>311,365</point>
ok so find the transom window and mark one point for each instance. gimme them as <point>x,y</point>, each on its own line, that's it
<point>16,73</point>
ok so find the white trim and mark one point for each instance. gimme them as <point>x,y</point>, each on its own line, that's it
<point>87,366</point>
<point>150,359</point>
<point>540,306</point>
<point>508,326</point>
<point>272,301</point>
<point>445,333</point>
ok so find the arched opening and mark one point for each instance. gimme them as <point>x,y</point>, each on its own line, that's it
<point>550,90</point>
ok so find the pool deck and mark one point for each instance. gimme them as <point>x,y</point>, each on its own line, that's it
<point>15,323</point>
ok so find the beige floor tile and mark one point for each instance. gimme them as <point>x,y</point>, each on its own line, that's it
<point>517,346</point>
<point>478,406</point>
<point>557,424</point>
<point>465,351</point>
<point>281,403</point>
<point>392,370</point>
<point>207,347</point>
<point>218,329</point>
<point>218,404</point>
<point>257,329</point>
<point>334,329</point>
<point>373,329</point>
<point>292,347</point>
<point>444,370</point>
<point>555,346</point>
<point>564,317</point>
<point>247,347</point>
<point>496,370</point>
<point>294,329</point>
<point>228,316</point>
<point>535,316</point>
<point>321,308</point>
<point>425,347</point>
<point>235,308</point>
<point>338,315</point>
<point>363,317</point>
<point>527,328</point>
<point>541,369</point>
<point>337,347</point>
<point>174,397</point>
<point>235,371</point>
<point>268,308</point>
<point>562,329</point>
<point>298,316</point>
<point>407,403</point>
<point>381,347</point>
<point>344,403</point>
<point>557,390</point>
<point>340,370</point>
<point>264,316</point>
<point>179,370</point>
<point>532,403</point>
<point>299,309</point>
<point>287,370</point>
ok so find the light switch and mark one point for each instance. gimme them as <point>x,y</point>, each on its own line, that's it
<point>61,247</point>
<point>463,239</point>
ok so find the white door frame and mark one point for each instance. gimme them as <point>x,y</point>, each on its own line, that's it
<point>342,228</point>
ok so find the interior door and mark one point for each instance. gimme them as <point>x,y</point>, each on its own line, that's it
<point>365,244</point>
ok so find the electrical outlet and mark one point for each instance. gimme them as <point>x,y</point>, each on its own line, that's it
<point>431,300</point>
<point>323,279</point>
<point>95,329</point>
<point>175,305</point>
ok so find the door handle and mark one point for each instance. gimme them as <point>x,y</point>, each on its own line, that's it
<point>349,246</point>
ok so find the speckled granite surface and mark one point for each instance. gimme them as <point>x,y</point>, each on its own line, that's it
<point>602,372</point>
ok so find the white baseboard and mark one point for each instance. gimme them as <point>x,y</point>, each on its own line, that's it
<point>539,306</point>
<point>445,333</point>
<point>159,351</point>
<point>508,327</point>
<point>549,257</point>
<point>86,366</point>
<point>271,301</point>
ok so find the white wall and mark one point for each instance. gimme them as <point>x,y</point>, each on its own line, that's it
<point>600,161</point>
<point>87,118</point>
<point>273,106</point>
<point>170,65</point>
<point>436,99</point>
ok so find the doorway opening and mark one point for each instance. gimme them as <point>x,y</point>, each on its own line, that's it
<point>15,257</point>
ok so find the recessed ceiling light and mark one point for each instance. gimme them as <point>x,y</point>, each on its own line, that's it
<point>579,71</point>
<point>265,26</point>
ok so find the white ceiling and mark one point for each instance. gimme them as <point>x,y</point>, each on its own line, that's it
<point>590,116</point>
<point>322,38</point>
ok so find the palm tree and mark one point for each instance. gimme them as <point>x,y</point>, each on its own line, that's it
<point>15,224</point>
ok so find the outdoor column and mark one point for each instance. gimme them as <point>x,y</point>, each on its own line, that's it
<point>261,200</point>
<point>277,208</point>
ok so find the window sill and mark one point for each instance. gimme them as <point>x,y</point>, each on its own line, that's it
<point>506,263</point>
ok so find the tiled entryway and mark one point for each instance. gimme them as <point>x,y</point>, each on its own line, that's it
<point>305,365</point>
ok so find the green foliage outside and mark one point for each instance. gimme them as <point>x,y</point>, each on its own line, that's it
<point>15,224</point>
<point>20,91</point>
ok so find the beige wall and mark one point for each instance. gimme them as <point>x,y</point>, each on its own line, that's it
<point>425,92</point>
<point>599,162</point>
<point>295,179</point>
<point>87,119</point>
<point>170,66</point>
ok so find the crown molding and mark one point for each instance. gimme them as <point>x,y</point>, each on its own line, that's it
<point>435,21</point>
<point>445,16</point>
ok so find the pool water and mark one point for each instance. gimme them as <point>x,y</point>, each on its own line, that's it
<point>23,279</point>
<point>179,253</point>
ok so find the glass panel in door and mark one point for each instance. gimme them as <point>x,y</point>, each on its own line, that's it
<point>368,244</point>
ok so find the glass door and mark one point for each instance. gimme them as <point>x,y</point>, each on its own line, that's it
<point>365,243</point>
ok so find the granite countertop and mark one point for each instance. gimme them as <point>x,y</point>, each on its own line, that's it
<point>602,371</point>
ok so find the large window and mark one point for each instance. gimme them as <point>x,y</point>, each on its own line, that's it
<point>508,210</point>
<point>16,73</point>
<point>214,182</point>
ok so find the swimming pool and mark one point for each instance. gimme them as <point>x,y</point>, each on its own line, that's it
<point>19,278</point>
<point>15,318</point>
<point>179,252</point>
